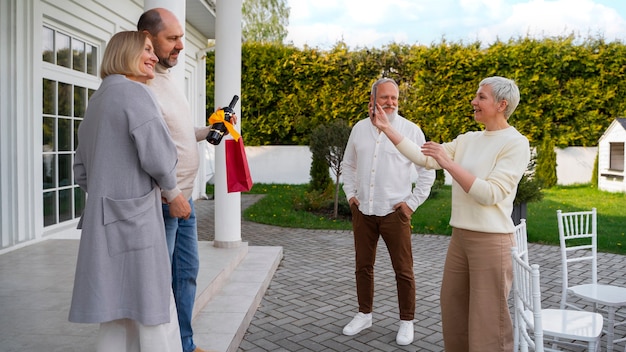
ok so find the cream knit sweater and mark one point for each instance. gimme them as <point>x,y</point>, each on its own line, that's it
<point>177,115</point>
<point>498,159</point>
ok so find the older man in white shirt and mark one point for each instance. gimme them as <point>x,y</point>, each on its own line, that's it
<point>378,184</point>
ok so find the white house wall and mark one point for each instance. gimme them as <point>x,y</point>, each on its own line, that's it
<point>21,71</point>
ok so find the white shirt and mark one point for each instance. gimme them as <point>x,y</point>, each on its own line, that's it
<point>377,174</point>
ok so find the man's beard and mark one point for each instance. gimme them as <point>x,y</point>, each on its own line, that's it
<point>167,62</point>
<point>392,115</point>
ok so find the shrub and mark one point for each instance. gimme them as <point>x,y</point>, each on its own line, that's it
<point>529,186</point>
<point>546,164</point>
<point>322,202</point>
<point>440,181</point>
<point>528,190</point>
<point>320,177</point>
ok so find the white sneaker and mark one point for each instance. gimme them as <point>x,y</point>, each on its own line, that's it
<point>359,323</point>
<point>405,333</point>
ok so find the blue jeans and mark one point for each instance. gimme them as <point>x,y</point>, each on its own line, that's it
<point>182,243</point>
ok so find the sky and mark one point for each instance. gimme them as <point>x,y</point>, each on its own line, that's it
<point>376,23</point>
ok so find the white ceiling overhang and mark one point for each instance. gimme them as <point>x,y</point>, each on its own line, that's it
<point>201,15</point>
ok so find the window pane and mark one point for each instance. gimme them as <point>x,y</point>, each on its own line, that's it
<point>64,105</point>
<point>49,171</point>
<point>65,205</point>
<point>65,99</point>
<point>78,55</point>
<point>47,45</point>
<point>49,96</point>
<point>92,59</point>
<point>65,170</point>
<point>49,208</point>
<point>48,134</point>
<point>80,101</point>
<point>65,135</point>
<point>616,156</point>
<point>63,50</point>
<point>79,201</point>
<point>76,124</point>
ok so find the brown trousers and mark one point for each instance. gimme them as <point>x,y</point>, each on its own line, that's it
<point>477,280</point>
<point>395,229</point>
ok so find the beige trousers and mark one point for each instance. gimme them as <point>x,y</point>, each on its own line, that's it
<point>477,280</point>
<point>126,335</point>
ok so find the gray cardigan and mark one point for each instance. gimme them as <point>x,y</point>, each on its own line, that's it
<point>124,154</point>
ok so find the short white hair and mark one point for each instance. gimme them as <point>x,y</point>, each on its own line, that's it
<point>381,81</point>
<point>503,89</point>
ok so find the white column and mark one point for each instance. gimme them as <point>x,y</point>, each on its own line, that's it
<point>227,84</point>
<point>178,8</point>
<point>21,202</point>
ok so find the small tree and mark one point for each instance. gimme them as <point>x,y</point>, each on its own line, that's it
<point>330,141</point>
<point>320,177</point>
<point>528,190</point>
<point>546,163</point>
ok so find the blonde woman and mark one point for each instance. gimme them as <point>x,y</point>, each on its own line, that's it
<point>124,156</point>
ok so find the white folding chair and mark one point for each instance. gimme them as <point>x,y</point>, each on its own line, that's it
<point>521,239</point>
<point>571,327</point>
<point>579,236</point>
<point>521,242</point>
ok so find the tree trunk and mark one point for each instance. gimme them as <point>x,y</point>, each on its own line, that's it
<point>336,205</point>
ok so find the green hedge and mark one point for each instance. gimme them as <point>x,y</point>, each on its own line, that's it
<point>572,88</point>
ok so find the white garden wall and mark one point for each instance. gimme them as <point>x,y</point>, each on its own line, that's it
<point>291,164</point>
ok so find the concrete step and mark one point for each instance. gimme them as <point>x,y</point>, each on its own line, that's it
<point>36,287</point>
<point>231,285</point>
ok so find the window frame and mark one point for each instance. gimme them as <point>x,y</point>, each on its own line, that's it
<point>616,156</point>
<point>57,211</point>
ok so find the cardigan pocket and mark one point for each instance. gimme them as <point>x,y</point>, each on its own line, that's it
<point>129,223</point>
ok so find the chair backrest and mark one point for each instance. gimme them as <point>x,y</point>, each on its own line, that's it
<point>527,297</point>
<point>521,240</point>
<point>578,238</point>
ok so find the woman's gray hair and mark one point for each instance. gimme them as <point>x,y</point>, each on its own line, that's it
<point>503,89</point>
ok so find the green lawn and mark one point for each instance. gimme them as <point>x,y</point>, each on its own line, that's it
<point>542,224</point>
<point>277,208</point>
